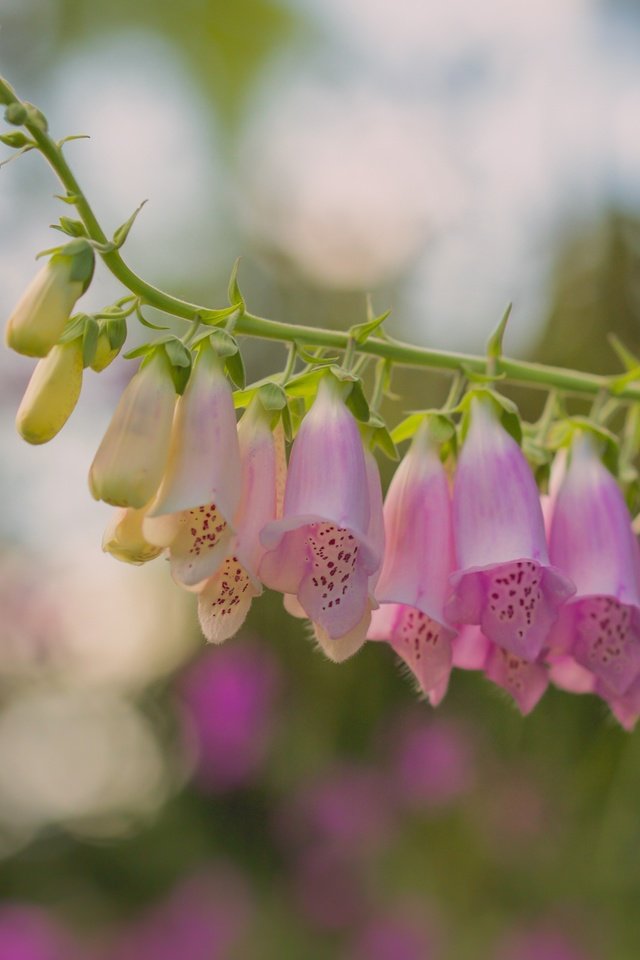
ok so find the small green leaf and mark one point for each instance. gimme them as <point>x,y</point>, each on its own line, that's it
<point>494,344</point>
<point>89,340</point>
<point>474,376</point>
<point>116,331</point>
<point>213,317</point>
<point>235,297</point>
<point>73,136</point>
<point>316,360</point>
<point>382,438</point>
<point>70,198</point>
<point>357,402</point>
<point>16,139</point>
<point>147,323</point>
<point>235,368</point>
<point>122,232</point>
<point>272,396</point>
<point>361,332</point>
<point>141,351</point>
<point>74,328</point>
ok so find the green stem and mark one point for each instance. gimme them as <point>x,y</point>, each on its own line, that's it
<point>405,354</point>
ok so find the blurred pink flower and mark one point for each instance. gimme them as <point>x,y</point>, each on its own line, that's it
<point>230,696</point>
<point>205,917</point>
<point>329,888</point>
<point>28,932</point>
<point>433,764</point>
<point>394,937</point>
<point>542,944</point>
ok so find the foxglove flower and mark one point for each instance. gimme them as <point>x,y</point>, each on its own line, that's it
<point>51,394</point>
<point>193,509</point>
<point>504,582</point>
<point>124,538</point>
<point>225,598</point>
<point>128,467</point>
<point>320,551</point>
<point>39,319</point>
<point>591,541</point>
<point>418,561</point>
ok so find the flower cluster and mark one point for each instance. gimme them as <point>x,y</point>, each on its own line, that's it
<point>465,565</point>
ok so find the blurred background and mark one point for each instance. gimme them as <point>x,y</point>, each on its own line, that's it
<point>162,800</point>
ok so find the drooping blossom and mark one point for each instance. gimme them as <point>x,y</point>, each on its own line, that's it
<point>418,561</point>
<point>592,542</point>
<point>52,393</point>
<point>39,318</point>
<point>128,467</point>
<point>504,582</point>
<point>192,512</point>
<point>225,598</point>
<point>321,552</point>
<point>230,701</point>
<point>124,538</point>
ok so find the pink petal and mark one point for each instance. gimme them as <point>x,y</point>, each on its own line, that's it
<point>526,682</point>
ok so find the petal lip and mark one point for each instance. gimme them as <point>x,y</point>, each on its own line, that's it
<point>273,533</point>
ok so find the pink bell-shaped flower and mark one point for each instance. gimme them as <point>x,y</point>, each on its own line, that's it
<point>592,542</point>
<point>504,582</point>
<point>194,506</point>
<point>321,551</point>
<point>225,598</point>
<point>418,562</point>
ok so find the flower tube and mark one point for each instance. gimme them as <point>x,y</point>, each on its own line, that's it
<point>224,600</point>
<point>414,580</point>
<point>39,318</point>
<point>592,542</point>
<point>194,506</point>
<point>124,538</point>
<point>320,551</point>
<point>51,394</point>
<point>504,582</point>
<point>128,467</point>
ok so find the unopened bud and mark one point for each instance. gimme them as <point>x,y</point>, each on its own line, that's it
<point>51,394</point>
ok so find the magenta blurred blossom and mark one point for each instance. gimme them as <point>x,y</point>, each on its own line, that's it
<point>206,917</point>
<point>349,807</point>
<point>504,582</point>
<point>433,764</point>
<point>329,886</point>
<point>28,932</point>
<point>542,944</point>
<point>395,937</point>
<point>230,695</point>
<point>591,541</point>
<point>418,562</point>
<point>320,551</point>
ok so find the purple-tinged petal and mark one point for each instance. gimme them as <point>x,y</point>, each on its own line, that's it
<point>591,540</point>
<point>526,682</point>
<point>419,536</point>
<point>503,582</point>
<point>515,603</point>
<point>204,457</point>
<point>344,645</point>
<point>567,674</point>
<point>326,547</point>
<point>626,708</point>
<point>470,648</point>
<point>422,643</point>
<point>198,542</point>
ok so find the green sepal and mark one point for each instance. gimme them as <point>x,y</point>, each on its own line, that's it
<point>506,409</point>
<point>357,402</point>
<point>561,435</point>
<point>74,327</point>
<point>272,396</point>
<point>142,351</point>
<point>380,437</point>
<point>73,228</point>
<point>234,366</point>
<point>116,331</point>
<point>287,423</point>
<point>224,344</point>
<point>441,427</point>
<point>121,234</point>
<point>89,340</point>
<point>16,139</point>
<point>235,296</point>
<point>180,359</point>
<point>360,332</point>
<point>83,261</point>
